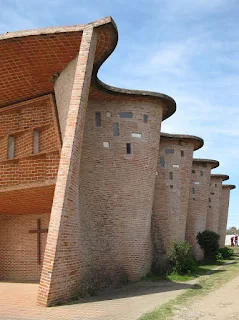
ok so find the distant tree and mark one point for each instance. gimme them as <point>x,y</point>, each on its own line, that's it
<point>232,230</point>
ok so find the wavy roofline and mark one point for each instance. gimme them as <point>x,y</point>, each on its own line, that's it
<point>198,142</point>
<point>169,105</point>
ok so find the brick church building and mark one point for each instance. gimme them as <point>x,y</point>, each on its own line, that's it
<point>81,166</point>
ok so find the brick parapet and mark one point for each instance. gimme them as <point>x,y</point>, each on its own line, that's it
<point>198,202</point>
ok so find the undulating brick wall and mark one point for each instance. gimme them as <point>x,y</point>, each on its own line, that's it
<point>18,247</point>
<point>224,205</point>
<point>19,121</point>
<point>213,211</point>
<point>198,202</point>
<point>116,190</point>
<point>171,192</point>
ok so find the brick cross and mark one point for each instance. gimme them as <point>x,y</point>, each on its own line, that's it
<point>38,231</point>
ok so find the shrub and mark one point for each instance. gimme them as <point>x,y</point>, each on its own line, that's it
<point>208,241</point>
<point>226,253</point>
<point>180,257</point>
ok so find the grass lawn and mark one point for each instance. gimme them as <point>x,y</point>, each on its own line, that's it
<point>210,277</point>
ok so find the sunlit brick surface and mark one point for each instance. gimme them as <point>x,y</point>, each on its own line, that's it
<point>213,211</point>
<point>172,190</point>
<point>198,202</point>
<point>224,206</point>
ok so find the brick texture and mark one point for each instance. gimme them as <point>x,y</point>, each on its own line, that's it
<point>198,202</point>
<point>63,267</point>
<point>116,191</point>
<point>172,190</point>
<point>18,248</point>
<point>224,205</point>
<point>213,211</point>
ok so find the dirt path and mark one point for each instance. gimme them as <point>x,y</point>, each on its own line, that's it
<point>221,304</point>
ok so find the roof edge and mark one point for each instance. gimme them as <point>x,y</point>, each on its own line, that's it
<point>231,186</point>
<point>198,142</point>
<point>214,163</point>
<point>224,177</point>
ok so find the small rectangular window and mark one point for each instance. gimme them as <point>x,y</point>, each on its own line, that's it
<point>136,135</point>
<point>175,165</point>
<point>162,163</point>
<point>106,144</point>
<point>128,148</point>
<point>215,185</point>
<point>171,186</point>
<point>146,118</point>
<point>209,207</point>
<point>108,115</point>
<point>169,151</point>
<point>126,115</point>
<point>193,199</point>
<point>193,171</point>
<point>170,175</point>
<point>97,119</point>
<point>36,141</point>
<point>212,192</point>
<point>182,153</point>
<point>116,129</point>
<point>193,190</point>
<point>209,199</point>
<point>201,173</point>
<point>11,147</point>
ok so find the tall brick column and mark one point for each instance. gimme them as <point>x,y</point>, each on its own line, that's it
<point>63,266</point>
<point>213,211</point>
<point>224,205</point>
<point>198,202</point>
<point>172,190</point>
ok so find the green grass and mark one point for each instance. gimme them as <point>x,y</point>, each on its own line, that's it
<point>198,270</point>
<point>205,284</point>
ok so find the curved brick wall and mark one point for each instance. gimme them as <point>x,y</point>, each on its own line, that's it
<point>213,211</point>
<point>224,205</point>
<point>172,189</point>
<point>116,190</point>
<point>198,202</point>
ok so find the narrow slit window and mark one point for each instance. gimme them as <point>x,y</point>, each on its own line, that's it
<point>170,175</point>
<point>193,191</point>
<point>201,173</point>
<point>11,147</point>
<point>182,153</point>
<point>146,117</point>
<point>97,119</point>
<point>126,115</point>
<point>209,199</point>
<point>116,129</point>
<point>162,162</point>
<point>36,141</point>
<point>128,148</point>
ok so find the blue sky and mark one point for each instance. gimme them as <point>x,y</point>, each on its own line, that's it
<point>186,49</point>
